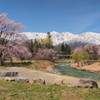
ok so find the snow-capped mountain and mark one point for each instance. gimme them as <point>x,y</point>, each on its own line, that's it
<point>34,35</point>
<point>67,37</point>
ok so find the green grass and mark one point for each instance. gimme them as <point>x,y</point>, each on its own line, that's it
<point>26,91</point>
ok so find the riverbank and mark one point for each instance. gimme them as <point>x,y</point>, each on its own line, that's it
<point>43,64</point>
<point>95,67</point>
<point>32,64</point>
<point>48,77</point>
<point>64,60</point>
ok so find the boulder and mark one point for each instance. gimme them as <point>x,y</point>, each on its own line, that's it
<point>39,80</point>
<point>22,79</point>
<point>9,78</point>
<point>8,73</point>
<point>87,83</point>
<point>58,81</point>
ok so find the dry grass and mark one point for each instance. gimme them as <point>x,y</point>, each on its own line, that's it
<point>33,64</point>
<point>95,67</point>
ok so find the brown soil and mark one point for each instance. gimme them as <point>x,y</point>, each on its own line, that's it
<point>95,67</point>
<point>48,77</point>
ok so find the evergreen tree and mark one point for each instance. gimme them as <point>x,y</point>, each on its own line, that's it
<point>49,36</point>
<point>65,49</point>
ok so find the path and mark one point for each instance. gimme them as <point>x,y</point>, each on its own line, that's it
<point>48,77</point>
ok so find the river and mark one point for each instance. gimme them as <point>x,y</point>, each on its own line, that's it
<point>65,69</point>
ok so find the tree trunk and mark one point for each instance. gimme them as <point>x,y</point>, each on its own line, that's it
<point>82,64</point>
<point>1,62</point>
<point>11,61</point>
<point>78,64</point>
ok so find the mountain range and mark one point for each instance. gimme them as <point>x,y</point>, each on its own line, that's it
<point>71,39</point>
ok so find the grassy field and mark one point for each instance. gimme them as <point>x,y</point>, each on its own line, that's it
<point>26,91</point>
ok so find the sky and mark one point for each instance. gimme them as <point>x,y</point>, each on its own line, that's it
<point>75,16</point>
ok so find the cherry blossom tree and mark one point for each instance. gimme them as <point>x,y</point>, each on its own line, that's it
<point>44,54</point>
<point>79,49</point>
<point>93,49</point>
<point>99,52</point>
<point>11,42</point>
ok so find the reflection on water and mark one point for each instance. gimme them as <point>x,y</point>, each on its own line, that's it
<point>64,68</point>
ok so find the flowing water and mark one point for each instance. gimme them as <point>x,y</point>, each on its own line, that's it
<point>64,68</point>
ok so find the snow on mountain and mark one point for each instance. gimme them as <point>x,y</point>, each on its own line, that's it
<point>67,37</point>
<point>90,37</point>
<point>34,35</point>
